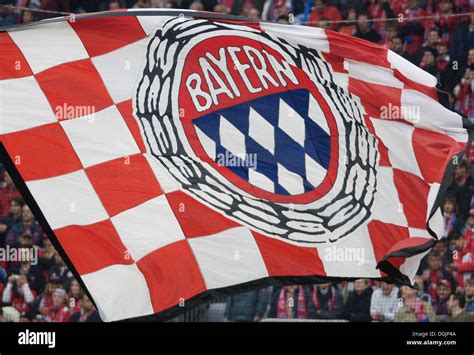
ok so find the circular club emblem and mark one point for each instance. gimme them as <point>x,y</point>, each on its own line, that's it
<point>256,128</point>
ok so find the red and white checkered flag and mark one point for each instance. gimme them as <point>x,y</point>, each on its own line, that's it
<point>176,156</point>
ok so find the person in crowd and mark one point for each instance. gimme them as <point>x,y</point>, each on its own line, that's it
<point>464,93</point>
<point>221,9</point>
<point>434,274</point>
<point>462,188</point>
<point>289,302</point>
<point>325,302</point>
<point>254,14</point>
<point>384,303</point>
<point>398,46</point>
<point>28,224</point>
<point>59,313</point>
<point>457,313</point>
<point>18,294</point>
<point>463,259</point>
<point>87,313</point>
<point>59,270</point>
<point>246,307</point>
<point>8,191</point>
<point>13,217</point>
<point>323,10</point>
<point>469,290</point>
<point>441,248</point>
<point>440,305</point>
<point>464,39</point>
<point>43,304</point>
<point>432,39</point>
<point>357,307</point>
<point>443,59</point>
<point>413,308</point>
<point>349,28</point>
<point>428,62</point>
<point>33,273</point>
<point>365,30</point>
<point>75,295</point>
<point>449,209</point>
<point>196,6</point>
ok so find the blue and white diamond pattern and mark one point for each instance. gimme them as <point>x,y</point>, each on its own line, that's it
<point>279,143</point>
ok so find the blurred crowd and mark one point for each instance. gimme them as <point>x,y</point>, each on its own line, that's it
<point>436,35</point>
<point>36,285</point>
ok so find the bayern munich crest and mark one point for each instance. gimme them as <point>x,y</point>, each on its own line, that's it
<point>257,129</point>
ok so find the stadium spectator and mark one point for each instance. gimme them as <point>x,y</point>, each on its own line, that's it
<point>18,294</point>
<point>462,188</point>
<point>33,273</point>
<point>87,313</point>
<point>384,303</point>
<point>289,302</point>
<point>28,224</point>
<point>357,307</point>
<point>350,27</point>
<point>75,295</point>
<point>463,259</point>
<point>440,305</point>
<point>398,46</point>
<point>246,307</point>
<point>59,313</point>
<point>450,212</point>
<point>44,302</point>
<point>365,31</point>
<point>434,274</point>
<point>13,217</point>
<point>469,290</point>
<point>59,270</point>
<point>457,313</point>
<point>325,302</point>
<point>413,309</point>
<point>464,93</point>
<point>8,191</point>
<point>322,10</point>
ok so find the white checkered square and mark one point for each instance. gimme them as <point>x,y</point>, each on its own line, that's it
<point>387,206</point>
<point>120,69</point>
<point>49,45</point>
<point>397,137</point>
<point>228,258</point>
<point>23,105</point>
<point>100,137</point>
<point>148,227</point>
<point>68,199</point>
<point>120,292</point>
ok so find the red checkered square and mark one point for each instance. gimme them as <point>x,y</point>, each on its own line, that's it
<point>124,183</point>
<point>163,267</point>
<point>286,259</point>
<point>103,35</point>
<point>377,105</point>
<point>413,194</point>
<point>186,208</point>
<point>74,88</point>
<point>13,63</point>
<point>93,247</point>
<point>433,151</point>
<point>42,152</point>
<point>384,236</point>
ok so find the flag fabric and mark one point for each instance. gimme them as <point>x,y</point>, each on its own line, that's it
<point>176,156</point>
